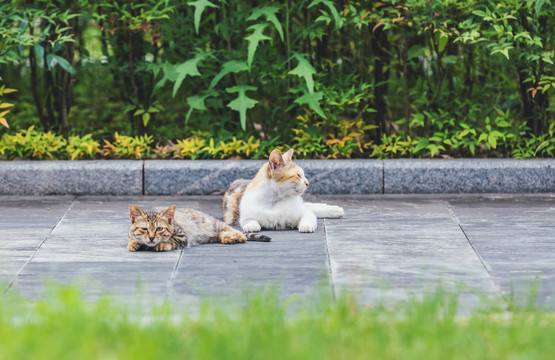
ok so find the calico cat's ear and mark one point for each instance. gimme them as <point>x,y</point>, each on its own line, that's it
<point>288,155</point>
<point>134,212</point>
<point>168,214</point>
<point>276,160</point>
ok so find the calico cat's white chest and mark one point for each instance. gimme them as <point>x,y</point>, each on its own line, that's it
<point>284,214</point>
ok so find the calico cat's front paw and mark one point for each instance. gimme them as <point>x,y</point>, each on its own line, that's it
<point>307,228</point>
<point>251,226</point>
<point>133,245</point>
<point>163,247</point>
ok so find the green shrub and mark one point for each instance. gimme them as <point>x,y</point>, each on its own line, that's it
<point>82,147</point>
<point>347,75</point>
<point>31,144</point>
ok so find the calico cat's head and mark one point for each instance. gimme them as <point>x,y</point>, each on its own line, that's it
<point>151,228</point>
<point>286,174</point>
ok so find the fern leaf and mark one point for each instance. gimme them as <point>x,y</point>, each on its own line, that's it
<point>254,39</point>
<point>313,102</point>
<point>188,68</point>
<point>304,70</point>
<point>200,6</point>
<point>197,103</point>
<point>269,12</point>
<point>242,103</point>
<point>233,66</point>
<point>338,20</point>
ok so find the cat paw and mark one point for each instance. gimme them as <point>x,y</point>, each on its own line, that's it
<point>336,211</point>
<point>232,237</point>
<point>251,226</point>
<point>241,238</point>
<point>163,247</point>
<point>133,245</point>
<point>306,228</point>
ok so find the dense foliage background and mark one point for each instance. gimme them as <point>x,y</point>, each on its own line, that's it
<point>226,78</point>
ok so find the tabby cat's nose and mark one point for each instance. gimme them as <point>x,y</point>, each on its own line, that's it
<point>306,183</point>
<point>151,238</point>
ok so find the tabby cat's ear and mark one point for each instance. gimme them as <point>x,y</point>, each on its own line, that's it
<point>168,214</point>
<point>288,155</point>
<point>276,160</point>
<point>134,212</point>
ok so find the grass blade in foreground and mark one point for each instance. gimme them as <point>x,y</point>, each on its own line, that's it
<point>65,327</point>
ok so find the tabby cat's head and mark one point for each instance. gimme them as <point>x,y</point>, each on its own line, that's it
<point>151,228</point>
<point>286,174</point>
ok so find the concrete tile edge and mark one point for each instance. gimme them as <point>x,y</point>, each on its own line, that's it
<point>201,177</point>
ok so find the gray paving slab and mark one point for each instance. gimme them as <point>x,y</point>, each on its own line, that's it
<point>386,249</point>
<point>26,223</point>
<point>515,241</point>
<point>391,249</point>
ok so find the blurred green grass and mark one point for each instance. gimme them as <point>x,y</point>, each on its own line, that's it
<point>64,326</point>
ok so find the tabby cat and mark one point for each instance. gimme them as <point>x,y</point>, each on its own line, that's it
<point>172,228</point>
<point>272,200</point>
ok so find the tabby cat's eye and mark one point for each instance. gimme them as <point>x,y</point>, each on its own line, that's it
<point>144,229</point>
<point>158,229</point>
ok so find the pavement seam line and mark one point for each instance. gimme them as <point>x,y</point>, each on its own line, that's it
<point>332,283</point>
<point>383,177</point>
<point>174,274</point>
<point>12,282</point>
<point>143,177</point>
<point>473,248</point>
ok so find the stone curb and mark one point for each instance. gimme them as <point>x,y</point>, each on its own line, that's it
<point>199,177</point>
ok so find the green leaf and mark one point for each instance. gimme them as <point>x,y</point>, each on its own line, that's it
<point>304,70</point>
<point>188,68</point>
<point>233,66</point>
<point>146,118</point>
<point>416,51</point>
<point>539,4</point>
<point>242,103</point>
<point>335,14</point>
<point>270,13</point>
<point>449,59</point>
<point>313,102</point>
<point>39,50</point>
<point>442,42</point>
<point>492,141</point>
<point>256,37</point>
<point>196,103</point>
<point>480,13</point>
<point>169,73</point>
<point>547,57</point>
<point>49,61</point>
<point>200,6</point>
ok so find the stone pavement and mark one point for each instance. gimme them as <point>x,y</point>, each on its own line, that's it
<point>385,249</point>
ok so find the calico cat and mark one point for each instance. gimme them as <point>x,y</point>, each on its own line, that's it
<point>272,200</point>
<point>172,228</point>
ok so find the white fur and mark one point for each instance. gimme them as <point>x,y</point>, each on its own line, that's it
<point>268,205</point>
<point>322,210</point>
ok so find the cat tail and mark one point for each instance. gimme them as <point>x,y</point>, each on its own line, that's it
<point>322,210</point>
<point>257,237</point>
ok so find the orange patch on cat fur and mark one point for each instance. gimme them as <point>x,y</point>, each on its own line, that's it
<point>231,217</point>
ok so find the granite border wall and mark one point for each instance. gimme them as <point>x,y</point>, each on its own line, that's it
<point>408,176</point>
<point>65,177</point>
<point>201,177</point>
